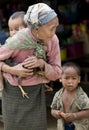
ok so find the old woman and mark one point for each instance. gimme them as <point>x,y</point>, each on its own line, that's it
<point>35,56</point>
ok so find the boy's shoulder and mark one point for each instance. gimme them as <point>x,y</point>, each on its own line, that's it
<point>80,90</point>
<point>60,91</point>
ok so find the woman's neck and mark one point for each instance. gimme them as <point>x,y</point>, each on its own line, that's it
<point>34,34</point>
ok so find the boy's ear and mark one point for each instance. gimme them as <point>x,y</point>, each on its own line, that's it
<point>60,80</point>
<point>79,79</point>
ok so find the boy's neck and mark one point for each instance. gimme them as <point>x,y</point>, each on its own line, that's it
<point>70,92</point>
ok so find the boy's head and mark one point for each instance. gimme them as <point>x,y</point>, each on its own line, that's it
<point>16,22</point>
<point>70,77</point>
<point>69,65</point>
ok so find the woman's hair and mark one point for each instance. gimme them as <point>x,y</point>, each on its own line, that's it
<point>39,14</point>
<point>73,65</point>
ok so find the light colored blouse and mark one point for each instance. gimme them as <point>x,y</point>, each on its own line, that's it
<point>52,68</point>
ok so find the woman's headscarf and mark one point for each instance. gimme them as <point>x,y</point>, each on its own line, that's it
<point>39,14</point>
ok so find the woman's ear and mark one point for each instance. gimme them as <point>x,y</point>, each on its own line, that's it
<point>36,28</point>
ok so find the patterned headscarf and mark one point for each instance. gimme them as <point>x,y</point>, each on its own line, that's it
<point>39,14</point>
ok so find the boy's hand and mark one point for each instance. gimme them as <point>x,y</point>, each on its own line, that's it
<point>68,116</point>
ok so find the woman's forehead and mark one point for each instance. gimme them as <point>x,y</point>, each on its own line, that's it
<point>53,22</point>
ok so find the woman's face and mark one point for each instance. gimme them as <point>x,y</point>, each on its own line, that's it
<point>47,31</point>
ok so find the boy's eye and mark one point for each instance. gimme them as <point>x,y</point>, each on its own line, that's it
<point>73,78</point>
<point>17,29</point>
<point>66,78</point>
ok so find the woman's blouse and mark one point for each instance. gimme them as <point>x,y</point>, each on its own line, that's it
<point>52,66</point>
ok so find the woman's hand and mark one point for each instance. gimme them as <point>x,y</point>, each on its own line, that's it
<point>18,70</point>
<point>21,71</point>
<point>33,62</point>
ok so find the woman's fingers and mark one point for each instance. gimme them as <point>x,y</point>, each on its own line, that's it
<point>21,71</point>
<point>30,62</point>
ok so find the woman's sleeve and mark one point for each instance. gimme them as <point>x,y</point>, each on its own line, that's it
<point>4,54</point>
<point>53,66</point>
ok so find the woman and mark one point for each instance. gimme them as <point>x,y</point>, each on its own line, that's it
<point>37,51</point>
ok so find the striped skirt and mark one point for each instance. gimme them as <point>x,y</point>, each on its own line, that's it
<point>24,113</point>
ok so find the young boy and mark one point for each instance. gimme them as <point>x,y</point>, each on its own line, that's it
<point>15,23</point>
<point>70,104</point>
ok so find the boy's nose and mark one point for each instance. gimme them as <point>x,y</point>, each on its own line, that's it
<point>70,81</point>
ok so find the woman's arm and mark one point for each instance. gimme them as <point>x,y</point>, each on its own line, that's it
<point>52,67</point>
<point>18,70</point>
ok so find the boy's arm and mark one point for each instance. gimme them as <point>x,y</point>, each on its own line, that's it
<point>56,113</point>
<point>81,114</point>
<point>75,116</point>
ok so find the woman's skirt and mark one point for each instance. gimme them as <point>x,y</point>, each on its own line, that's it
<point>24,113</point>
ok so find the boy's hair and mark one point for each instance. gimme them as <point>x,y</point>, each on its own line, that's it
<point>18,14</point>
<point>73,65</point>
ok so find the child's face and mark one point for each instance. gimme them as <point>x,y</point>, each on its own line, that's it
<point>70,79</point>
<point>15,25</point>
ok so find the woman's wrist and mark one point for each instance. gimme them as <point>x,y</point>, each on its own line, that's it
<point>41,63</point>
<point>5,68</point>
